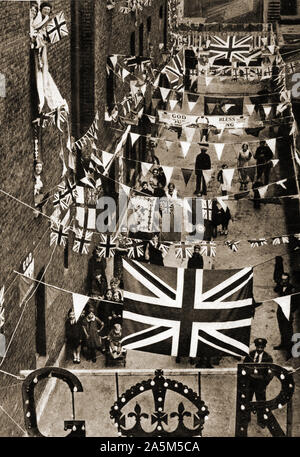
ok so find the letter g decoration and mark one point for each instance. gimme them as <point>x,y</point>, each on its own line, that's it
<point>77,427</point>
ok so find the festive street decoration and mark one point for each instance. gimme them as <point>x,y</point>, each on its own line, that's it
<point>82,241</point>
<point>159,386</point>
<point>59,234</point>
<point>57,28</point>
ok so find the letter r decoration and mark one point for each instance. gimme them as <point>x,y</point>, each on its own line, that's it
<point>244,406</point>
<point>77,427</point>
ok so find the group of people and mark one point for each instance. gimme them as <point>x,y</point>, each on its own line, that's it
<point>88,334</point>
<point>263,156</point>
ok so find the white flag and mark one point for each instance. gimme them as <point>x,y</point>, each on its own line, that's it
<point>168,171</point>
<point>219,149</point>
<point>79,302</point>
<point>207,174</point>
<point>164,93</point>
<point>227,176</point>
<point>173,103</point>
<point>267,109</point>
<point>272,144</point>
<point>133,137</point>
<point>185,146</point>
<point>106,158</point>
<point>262,191</point>
<point>189,133</point>
<point>146,167</point>
<point>250,109</point>
<point>125,73</point>
<point>192,105</point>
<point>285,305</point>
<point>275,162</point>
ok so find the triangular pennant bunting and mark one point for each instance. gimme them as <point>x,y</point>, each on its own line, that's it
<point>189,133</point>
<point>79,302</point>
<point>145,168</point>
<point>250,109</point>
<point>219,149</point>
<point>272,144</point>
<point>207,175</point>
<point>173,103</point>
<point>168,171</point>
<point>186,173</point>
<point>134,137</point>
<point>227,176</point>
<point>185,146</point>
<point>164,93</point>
<point>106,158</point>
<point>285,305</point>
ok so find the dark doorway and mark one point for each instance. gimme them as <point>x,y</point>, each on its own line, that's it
<point>141,39</point>
<point>40,316</point>
<point>132,44</point>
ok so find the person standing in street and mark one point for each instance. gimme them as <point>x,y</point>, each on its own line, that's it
<point>284,288</point>
<point>263,157</point>
<point>260,380</point>
<point>243,160</point>
<point>203,162</point>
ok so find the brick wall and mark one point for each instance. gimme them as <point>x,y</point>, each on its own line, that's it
<point>20,231</point>
<point>101,32</point>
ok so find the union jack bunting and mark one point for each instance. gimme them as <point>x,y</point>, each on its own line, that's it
<point>233,245</point>
<point>280,240</point>
<point>174,71</point>
<point>207,209</point>
<point>186,312</point>
<point>183,250</point>
<point>57,28</point>
<point>107,246</point>
<point>66,195</point>
<point>82,241</point>
<point>85,208</point>
<point>92,175</point>
<point>164,247</point>
<point>238,48</point>
<point>59,234</point>
<point>256,243</point>
<point>137,62</point>
<point>208,248</point>
<point>135,248</point>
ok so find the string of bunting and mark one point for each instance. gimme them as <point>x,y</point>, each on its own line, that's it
<point>90,136</point>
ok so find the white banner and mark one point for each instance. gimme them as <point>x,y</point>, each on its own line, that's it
<point>181,119</point>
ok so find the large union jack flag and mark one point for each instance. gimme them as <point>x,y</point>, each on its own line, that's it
<point>231,47</point>
<point>187,312</point>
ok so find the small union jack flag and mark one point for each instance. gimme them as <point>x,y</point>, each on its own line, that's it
<point>183,250</point>
<point>57,28</point>
<point>164,247</point>
<point>208,248</point>
<point>233,47</point>
<point>135,248</point>
<point>207,209</point>
<point>280,240</point>
<point>59,234</point>
<point>233,245</point>
<point>82,242</point>
<point>107,246</point>
<point>186,312</point>
<point>256,243</point>
<point>66,195</point>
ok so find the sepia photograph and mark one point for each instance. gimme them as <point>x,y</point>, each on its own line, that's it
<point>149,223</point>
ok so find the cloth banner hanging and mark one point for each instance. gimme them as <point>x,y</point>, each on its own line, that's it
<point>134,137</point>
<point>227,176</point>
<point>146,167</point>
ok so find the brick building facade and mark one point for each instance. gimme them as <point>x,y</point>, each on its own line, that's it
<point>34,329</point>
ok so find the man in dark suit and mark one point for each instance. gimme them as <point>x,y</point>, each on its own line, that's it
<point>263,155</point>
<point>202,163</point>
<point>196,261</point>
<point>283,288</point>
<point>259,381</point>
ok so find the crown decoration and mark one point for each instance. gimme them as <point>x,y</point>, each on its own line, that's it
<point>159,418</point>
